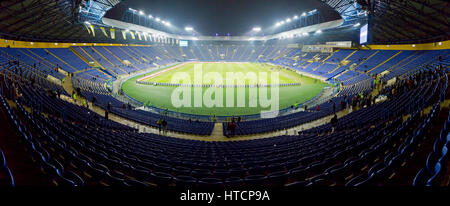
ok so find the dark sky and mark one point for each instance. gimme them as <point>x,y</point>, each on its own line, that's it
<point>236,17</point>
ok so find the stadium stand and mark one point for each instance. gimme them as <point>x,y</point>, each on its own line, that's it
<point>106,153</point>
<point>382,118</point>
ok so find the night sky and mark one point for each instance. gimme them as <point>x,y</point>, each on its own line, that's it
<point>236,17</point>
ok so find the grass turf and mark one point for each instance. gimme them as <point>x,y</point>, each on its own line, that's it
<point>160,96</point>
<point>285,75</point>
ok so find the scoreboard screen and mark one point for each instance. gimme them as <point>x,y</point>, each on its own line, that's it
<point>183,43</point>
<point>363,34</point>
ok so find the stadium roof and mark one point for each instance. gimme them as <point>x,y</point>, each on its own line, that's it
<point>399,21</point>
<point>50,20</point>
<point>409,20</point>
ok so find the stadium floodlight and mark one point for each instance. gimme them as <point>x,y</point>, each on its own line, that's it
<point>278,24</point>
<point>318,31</point>
<point>288,20</point>
<point>282,22</point>
<point>127,30</point>
<point>168,24</point>
<point>150,16</point>
<point>303,14</point>
<point>188,28</point>
<point>164,22</point>
<point>86,22</point>
<point>357,24</point>
<point>305,34</point>
<point>295,17</point>
<point>256,29</point>
<point>141,13</point>
<point>158,19</point>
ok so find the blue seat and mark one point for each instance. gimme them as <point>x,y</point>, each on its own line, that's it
<point>356,180</point>
<point>277,178</point>
<point>369,181</point>
<point>185,181</point>
<point>221,173</point>
<point>95,172</point>
<point>254,180</point>
<point>234,182</point>
<point>210,182</point>
<point>161,178</point>
<point>141,173</point>
<point>2,159</point>
<point>297,184</point>
<point>318,183</point>
<point>112,180</point>
<point>299,174</point>
<point>432,158</point>
<point>6,177</point>
<point>421,177</point>
<point>179,170</point>
<point>201,173</point>
<point>434,180</point>
<point>64,182</point>
<point>76,179</point>
<point>135,183</point>
<point>375,168</point>
<point>256,170</point>
<point>49,169</point>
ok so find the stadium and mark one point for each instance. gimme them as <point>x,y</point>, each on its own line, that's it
<point>182,94</point>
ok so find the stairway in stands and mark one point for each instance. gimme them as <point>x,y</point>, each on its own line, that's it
<point>419,158</point>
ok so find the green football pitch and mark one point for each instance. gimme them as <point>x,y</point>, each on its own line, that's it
<point>227,101</point>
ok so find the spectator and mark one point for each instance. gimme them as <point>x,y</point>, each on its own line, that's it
<point>232,127</point>
<point>164,125</point>
<point>159,123</point>
<point>333,123</point>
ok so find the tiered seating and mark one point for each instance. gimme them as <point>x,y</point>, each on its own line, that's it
<point>283,122</point>
<point>368,147</point>
<point>360,87</point>
<point>379,57</point>
<point>436,164</point>
<point>339,56</point>
<point>420,58</point>
<point>19,54</point>
<point>324,69</point>
<point>55,62</point>
<point>6,178</point>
